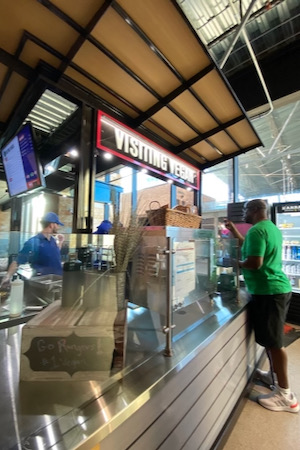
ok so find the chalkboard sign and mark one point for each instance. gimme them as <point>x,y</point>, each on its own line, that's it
<point>69,354</point>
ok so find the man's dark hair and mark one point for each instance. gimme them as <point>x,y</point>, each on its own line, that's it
<point>257,203</point>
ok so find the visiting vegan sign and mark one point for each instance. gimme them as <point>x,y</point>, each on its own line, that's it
<point>116,138</point>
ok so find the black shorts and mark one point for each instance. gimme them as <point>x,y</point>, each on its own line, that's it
<point>268,314</point>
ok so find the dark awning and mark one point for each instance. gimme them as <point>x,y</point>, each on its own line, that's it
<point>140,59</point>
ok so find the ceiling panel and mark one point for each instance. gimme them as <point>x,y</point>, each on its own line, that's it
<point>114,77</point>
<point>33,17</point>
<point>208,151</point>
<point>170,121</point>
<point>241,133</point>
<point>223,142</point>
<point>32,54</point>
<point>218,99</point>
<point>80,12</point>
<point>158,131</point>
<point>187,105</point>
<point>13,91</point>
<point>134,53</point>
<point>92,85</point>
<point>192,153</point>
<point>166,29</point>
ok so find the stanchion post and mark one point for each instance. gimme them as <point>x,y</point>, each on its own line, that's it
<point>169,326</point>
<point>238,273</point>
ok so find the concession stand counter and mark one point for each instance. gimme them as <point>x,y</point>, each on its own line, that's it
<point>167,367</point>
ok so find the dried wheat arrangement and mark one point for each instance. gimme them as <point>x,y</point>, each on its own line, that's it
<point>127,240</point>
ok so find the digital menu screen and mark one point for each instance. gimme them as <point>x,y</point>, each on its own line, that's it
<point>22,169</point>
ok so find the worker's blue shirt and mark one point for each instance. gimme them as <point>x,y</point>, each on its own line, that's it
<point>42,254</point>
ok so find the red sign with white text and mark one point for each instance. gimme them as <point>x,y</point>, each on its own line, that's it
<point>118,139</point>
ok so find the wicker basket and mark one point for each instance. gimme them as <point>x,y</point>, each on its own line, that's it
<point>176,217</point>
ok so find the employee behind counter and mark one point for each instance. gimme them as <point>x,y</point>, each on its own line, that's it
<point>42,251</point>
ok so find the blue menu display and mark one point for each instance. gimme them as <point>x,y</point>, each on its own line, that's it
<point>23,172</point>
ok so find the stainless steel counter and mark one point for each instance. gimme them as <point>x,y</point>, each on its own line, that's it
<point>38,293</point>
<point>62,415</point>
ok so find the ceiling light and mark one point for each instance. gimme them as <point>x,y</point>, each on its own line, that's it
<point>217,150</point>
<point>73,152</point>
<point>62,102</point>
<point>49,169</point>
<point>107,156</point>
<point>260,152</point>
<point>50,111</point>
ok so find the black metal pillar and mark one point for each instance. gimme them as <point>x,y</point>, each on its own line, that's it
<point>16,213</point>
<point>85,185</point>
<point>198,196</point>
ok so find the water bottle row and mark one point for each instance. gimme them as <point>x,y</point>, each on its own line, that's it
<point>291,252</point>
<point>295,281</point>
<point>291,269</point>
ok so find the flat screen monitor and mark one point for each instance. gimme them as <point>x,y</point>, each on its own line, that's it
<point>21,165</point>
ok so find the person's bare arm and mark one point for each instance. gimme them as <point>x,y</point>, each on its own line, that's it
<point>252,262</point>
<point>231,227</point>
<point>10,271</point>
<point>60,239</point>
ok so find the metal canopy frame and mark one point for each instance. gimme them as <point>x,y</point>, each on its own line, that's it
<point>142,62</point>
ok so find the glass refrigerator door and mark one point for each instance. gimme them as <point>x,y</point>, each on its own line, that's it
<point>289,224</point>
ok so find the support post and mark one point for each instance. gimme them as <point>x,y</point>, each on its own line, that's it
<point>169,326</point>
<point>85,186</point>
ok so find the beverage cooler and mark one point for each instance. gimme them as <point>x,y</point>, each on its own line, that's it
<point>287,218</point>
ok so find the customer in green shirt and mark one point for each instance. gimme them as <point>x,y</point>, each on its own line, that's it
<point>270,292</point>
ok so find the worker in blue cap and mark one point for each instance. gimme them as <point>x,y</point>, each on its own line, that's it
<point>42,251</point>
<point>104,227</point>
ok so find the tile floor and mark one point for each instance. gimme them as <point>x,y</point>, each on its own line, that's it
<point>260,429</point>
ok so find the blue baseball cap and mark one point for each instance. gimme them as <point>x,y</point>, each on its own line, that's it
<point>51,217</point>
<point>104,227</point>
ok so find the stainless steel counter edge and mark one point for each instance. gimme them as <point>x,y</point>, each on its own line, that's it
<point>137,387</point>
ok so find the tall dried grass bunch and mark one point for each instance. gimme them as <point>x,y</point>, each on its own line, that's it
<point>126,242</point>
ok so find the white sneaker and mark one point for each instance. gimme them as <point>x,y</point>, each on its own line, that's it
<point>276,401</point>
<point>265,377</point>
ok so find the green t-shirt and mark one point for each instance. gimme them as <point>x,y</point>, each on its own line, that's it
<point>264,239</point>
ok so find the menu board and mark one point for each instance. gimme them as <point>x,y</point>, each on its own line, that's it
<point>22,169</point>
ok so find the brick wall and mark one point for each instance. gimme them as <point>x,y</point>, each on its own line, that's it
<point>65,212</point>
<point>161,194</point>
<point>64,206</point>
<point>5,220</point>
